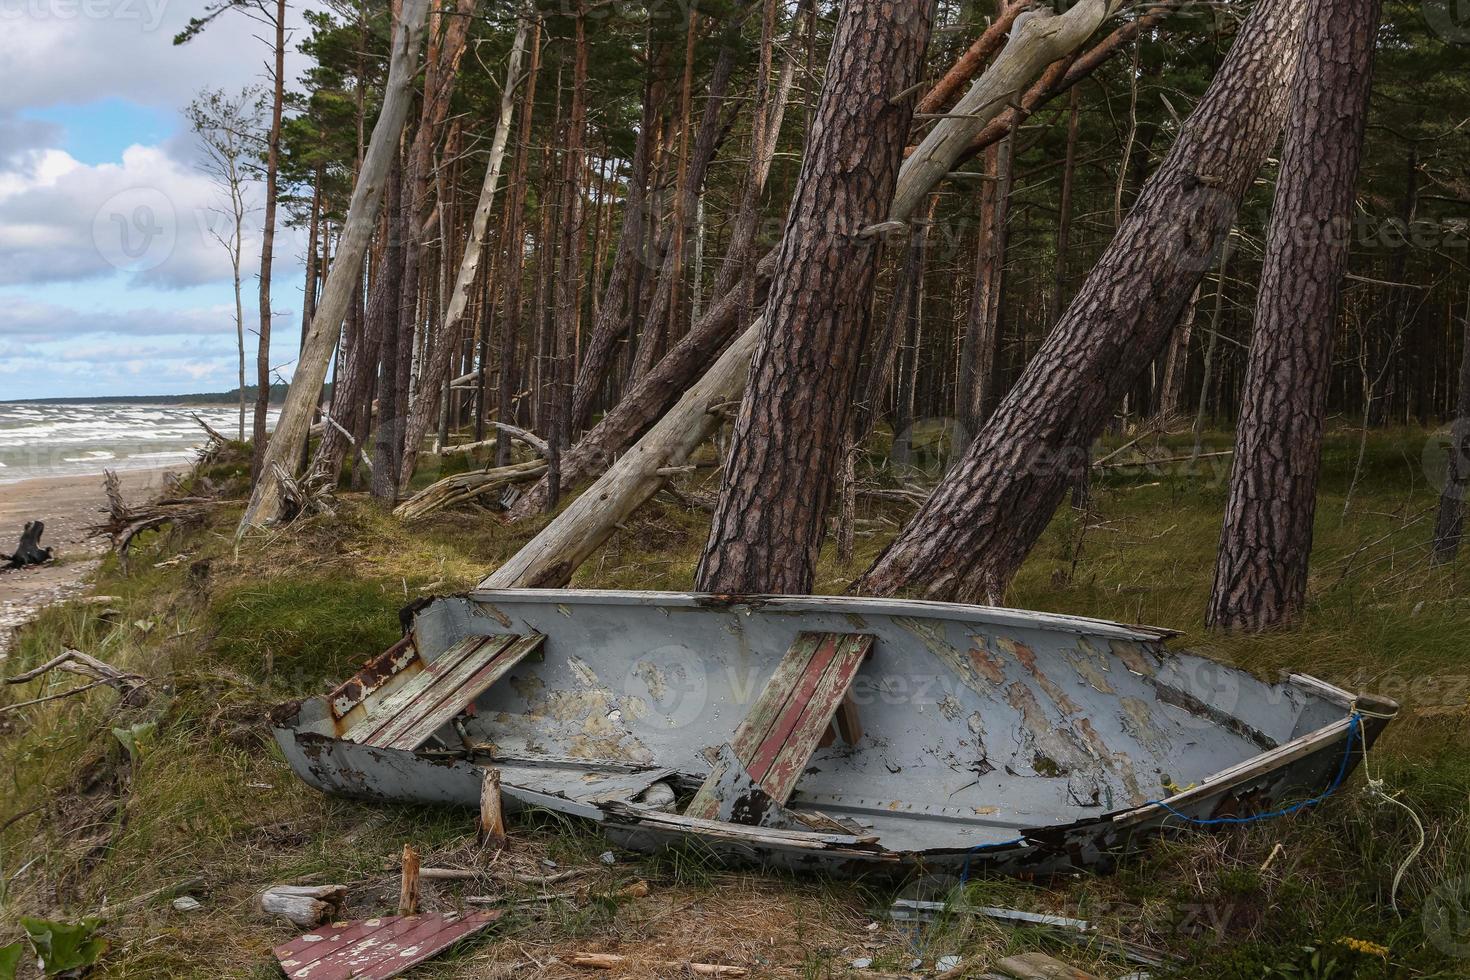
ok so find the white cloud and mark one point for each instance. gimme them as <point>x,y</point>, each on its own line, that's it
<point>55,52</point>
<point>149,217</point>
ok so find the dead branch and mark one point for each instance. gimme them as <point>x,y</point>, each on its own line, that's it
<point>76,662</point>
<point>463,487</point>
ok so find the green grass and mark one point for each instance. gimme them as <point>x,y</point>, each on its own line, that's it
<point>83,824</point>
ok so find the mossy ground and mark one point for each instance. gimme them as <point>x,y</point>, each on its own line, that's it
<point>85,824</point>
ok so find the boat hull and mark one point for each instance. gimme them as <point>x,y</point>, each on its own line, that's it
<point>1044,745</point>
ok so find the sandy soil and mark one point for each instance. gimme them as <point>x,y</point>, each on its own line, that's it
<point>68,505</point>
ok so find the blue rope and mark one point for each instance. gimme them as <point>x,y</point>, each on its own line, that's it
<point>1354,724</point>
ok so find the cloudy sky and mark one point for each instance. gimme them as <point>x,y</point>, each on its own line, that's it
<point>110,282</point>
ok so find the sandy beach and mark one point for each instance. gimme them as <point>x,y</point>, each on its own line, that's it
<point>68,505</point>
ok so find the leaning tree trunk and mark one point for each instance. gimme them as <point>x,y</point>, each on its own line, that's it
<point>321,340</point>
<point>793,424</point>
<point>636,475</point>
<point>387,435</point>
<point>611,320</point>
<point>431,380</point>
<point>1266,541</point>
<point>973,533</point>
<point>1449,527</point>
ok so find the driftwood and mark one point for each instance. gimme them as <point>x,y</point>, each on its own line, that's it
<point>612,961</point>
<point>304,905</point>
<point>96,671</point>
<point>29,550</point>
<point>319,346</point>
<point>466,486</point>
<point>124,523</point>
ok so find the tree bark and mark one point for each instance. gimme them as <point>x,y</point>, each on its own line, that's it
<point>387,437</point>
<point>311,371</point>
<point>1176,361</point>
<point>973,533</point>
<point>794,422</point>
<point>1449,527</point>
<point>1266,540</point>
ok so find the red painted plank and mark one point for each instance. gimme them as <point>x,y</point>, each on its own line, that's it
<point>770,747</point>
<point>816,716</point>
<point>376,949</point>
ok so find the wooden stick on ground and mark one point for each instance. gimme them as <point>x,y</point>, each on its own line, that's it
<point>492,820</point>
<point>408,886</point>
<point>612,961</point>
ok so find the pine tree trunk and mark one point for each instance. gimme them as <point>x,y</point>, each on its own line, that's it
<point>388,436</point>
<point>514,254</point>
<point>630,465</point>
<point>435,373</point>
<point>267,244</point>
<point>973,533</point>
<point>794,422</point>
<point>688,185</point>
<point>1266,541</point>
<point>311,371</point>
<point>1176,361</point>
<point>981,347</point>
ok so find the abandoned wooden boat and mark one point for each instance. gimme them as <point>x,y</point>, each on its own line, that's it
<point>848,733</point>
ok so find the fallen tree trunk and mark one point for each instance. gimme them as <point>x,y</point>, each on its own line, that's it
<point>549,559</point>
<point>466,486</point>
<point>320,343</point>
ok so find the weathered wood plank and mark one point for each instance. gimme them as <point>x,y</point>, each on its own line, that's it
<point>370,728</point>
<point>795,709</point>
<point>458,690</point>
<point>787,765</point>
<point>756,725</point>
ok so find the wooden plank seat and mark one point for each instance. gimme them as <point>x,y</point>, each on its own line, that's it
<point>445,687</point>
<point>758,770</point>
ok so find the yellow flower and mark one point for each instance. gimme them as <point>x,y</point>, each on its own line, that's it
<point>1364,946</point>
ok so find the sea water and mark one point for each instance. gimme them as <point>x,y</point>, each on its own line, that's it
<point>46,440</point>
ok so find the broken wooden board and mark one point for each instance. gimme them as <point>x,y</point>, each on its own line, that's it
<point>777,739</point>
<point>1039,966</point>
<point>376,949</point>
<point>447,686</point>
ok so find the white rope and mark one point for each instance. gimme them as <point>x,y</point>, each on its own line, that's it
<point>1376,788</point>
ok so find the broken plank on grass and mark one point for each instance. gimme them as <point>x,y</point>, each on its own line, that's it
<point>376,949</point>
